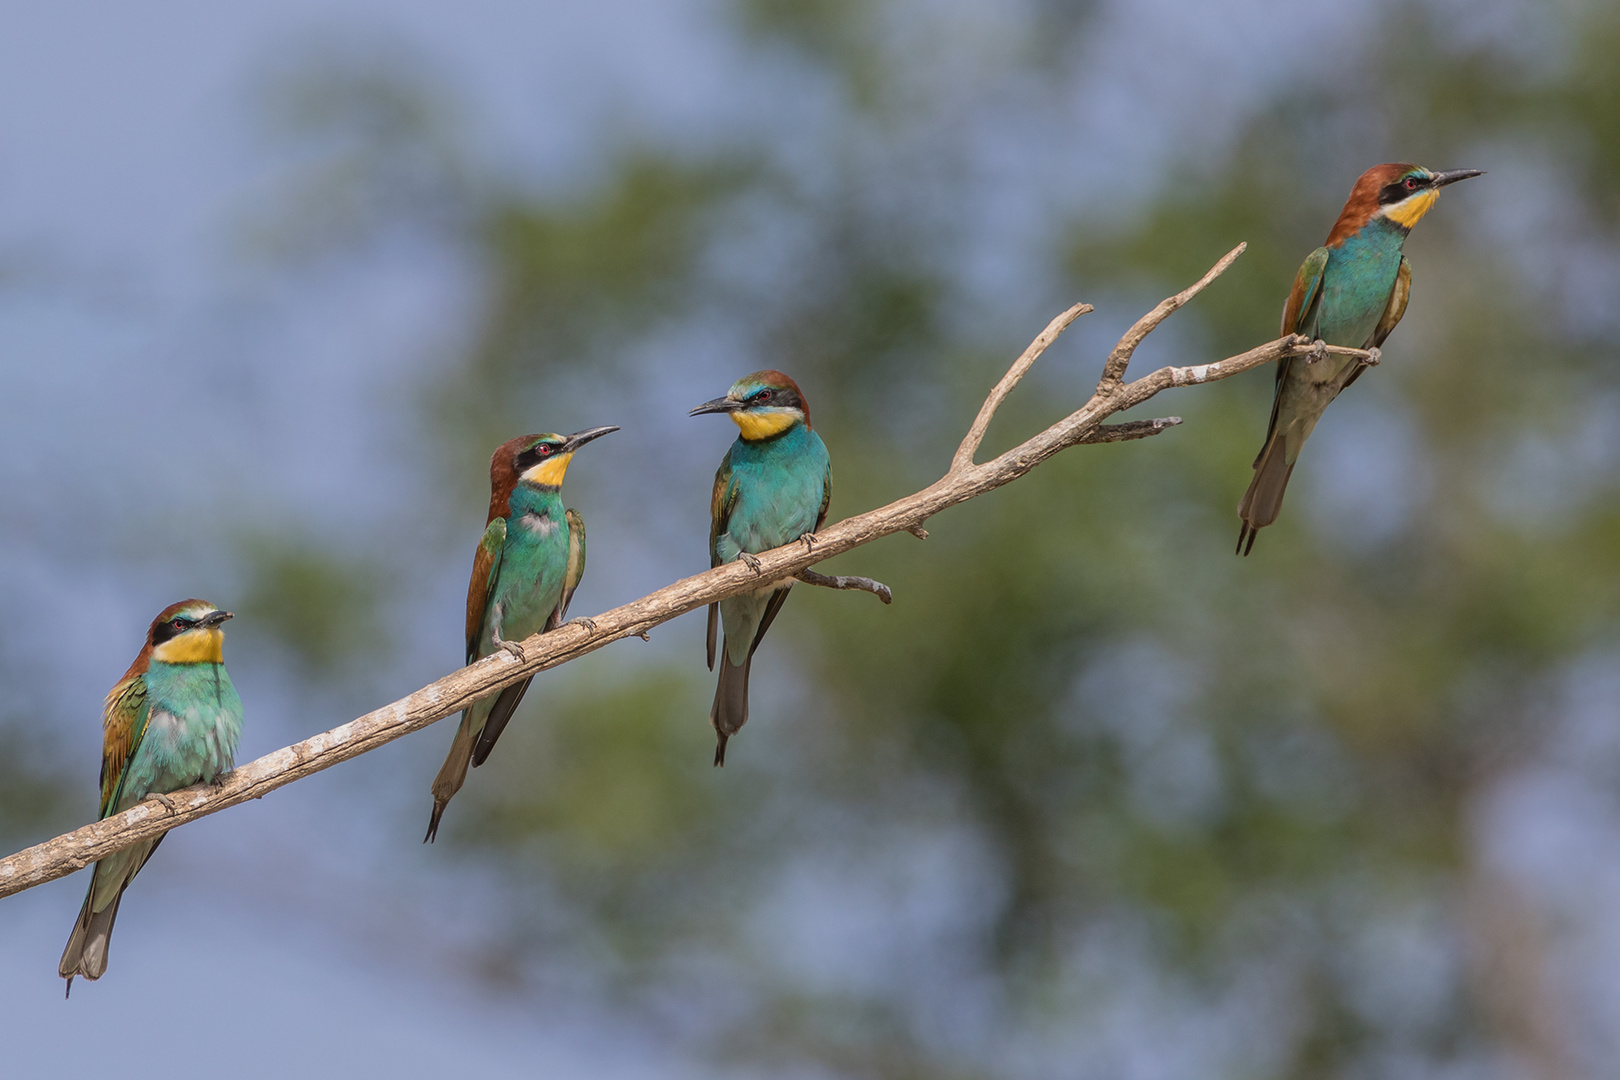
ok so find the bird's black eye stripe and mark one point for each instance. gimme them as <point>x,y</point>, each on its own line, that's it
<point>171,628</point>
<point>534,455</point>
<point>1400,189</point>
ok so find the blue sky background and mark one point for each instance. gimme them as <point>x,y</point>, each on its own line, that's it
<point>170,384</point>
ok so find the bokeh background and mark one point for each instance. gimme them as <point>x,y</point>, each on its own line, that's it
<point>1093,799</point>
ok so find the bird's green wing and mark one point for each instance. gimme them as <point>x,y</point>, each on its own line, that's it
<point>1299,316</point>
<point>721,502</point>
<point>1303,296</point>
<point>573,572</point>
<point>1396,308</point>
<point>123,723</point>
<point>826,496</point>
<point>486,568</point>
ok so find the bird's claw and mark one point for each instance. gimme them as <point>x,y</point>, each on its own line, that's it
<point>809,540</point>
<point>1318,352</point>
<point>751,561</point>
<point>585,621</point>
<point>167,800</point>
<point>1374,357</point>
<point>514,649</point>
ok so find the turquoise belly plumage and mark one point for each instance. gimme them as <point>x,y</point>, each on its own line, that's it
<point>171,722</point>
<point>772,488</point>
<point>1352,291</point>
<point>527,566</point>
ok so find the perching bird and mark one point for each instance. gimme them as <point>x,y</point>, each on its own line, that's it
<point>172,721</point>
<point>1352,292</point>
<point>772,488</point>
<point>526,570</point>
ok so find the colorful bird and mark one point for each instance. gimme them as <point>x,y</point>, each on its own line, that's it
<point>524,574</point>
<point>772,488</point>
<point>1352,292</point>
<point>172,721</point>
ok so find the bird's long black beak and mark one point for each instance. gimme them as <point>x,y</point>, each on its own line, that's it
<point>580,438</point>
<point>719,404</point>
<point>1441,179</point>
<point>216,618</point>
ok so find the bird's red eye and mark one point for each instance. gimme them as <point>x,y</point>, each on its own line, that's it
<point>178,624</point>
<point>543,450</point>
<point>1411,183</point>
<point>763,395</point>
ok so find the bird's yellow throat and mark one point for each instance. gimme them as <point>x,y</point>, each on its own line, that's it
<point>193,647</point>
<point>550,472</point>
<point>757,426</point>
<point>1408,212</point>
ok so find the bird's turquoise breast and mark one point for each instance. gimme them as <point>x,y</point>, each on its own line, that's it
<point>194,719</point>
<point>534,562</point>
<point>1356,283</point>
<point>780,485</point>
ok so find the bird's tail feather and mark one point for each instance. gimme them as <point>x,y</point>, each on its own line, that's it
<point>452,774</point>
<point>86,952</point>
<point>506,703</point>
<point>730,711</point>
<point>1263,501</point>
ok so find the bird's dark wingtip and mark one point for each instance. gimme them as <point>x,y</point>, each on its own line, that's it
<point>433,824</point>
<point>720,752</point>
<point>68,993</point>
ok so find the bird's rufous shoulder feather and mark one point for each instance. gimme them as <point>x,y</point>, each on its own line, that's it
<point>486,564</point>
<point>721,501</point>
<point>123,722</point>
<point>1307,286</point>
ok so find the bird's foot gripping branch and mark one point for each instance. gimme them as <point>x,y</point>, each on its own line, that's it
<point>962,481</point>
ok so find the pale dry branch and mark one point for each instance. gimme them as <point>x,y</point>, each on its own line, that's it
<point>1136,429</point>
<point>1120,358</point>
<point>998,393</point>
<point>845,581</point>
<point>449,695</point>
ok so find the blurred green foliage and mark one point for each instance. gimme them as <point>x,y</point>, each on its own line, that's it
<point>1083,725</point>
<point>322,607</point>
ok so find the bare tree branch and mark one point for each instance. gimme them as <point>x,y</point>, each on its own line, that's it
<point>1120,358</point>
<point>449,695</point>
<point>841,581</point>
<point>1136,429</point>
<point>998,394</point>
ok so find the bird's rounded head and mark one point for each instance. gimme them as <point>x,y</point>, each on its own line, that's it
<point>188,633</point>
<point>764,405</point>
<point>541,460</point>
<point>1398,191</point>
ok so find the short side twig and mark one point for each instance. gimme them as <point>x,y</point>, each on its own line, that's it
<point>844,581</point>
<point>1120,358</point>
<point>987,412</point>
<point>1135,429</point>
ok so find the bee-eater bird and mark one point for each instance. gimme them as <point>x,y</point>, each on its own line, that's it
<point>1351,291</point>
<point>772,488</point>
<point>172,721</point>
<point>524,574</point>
